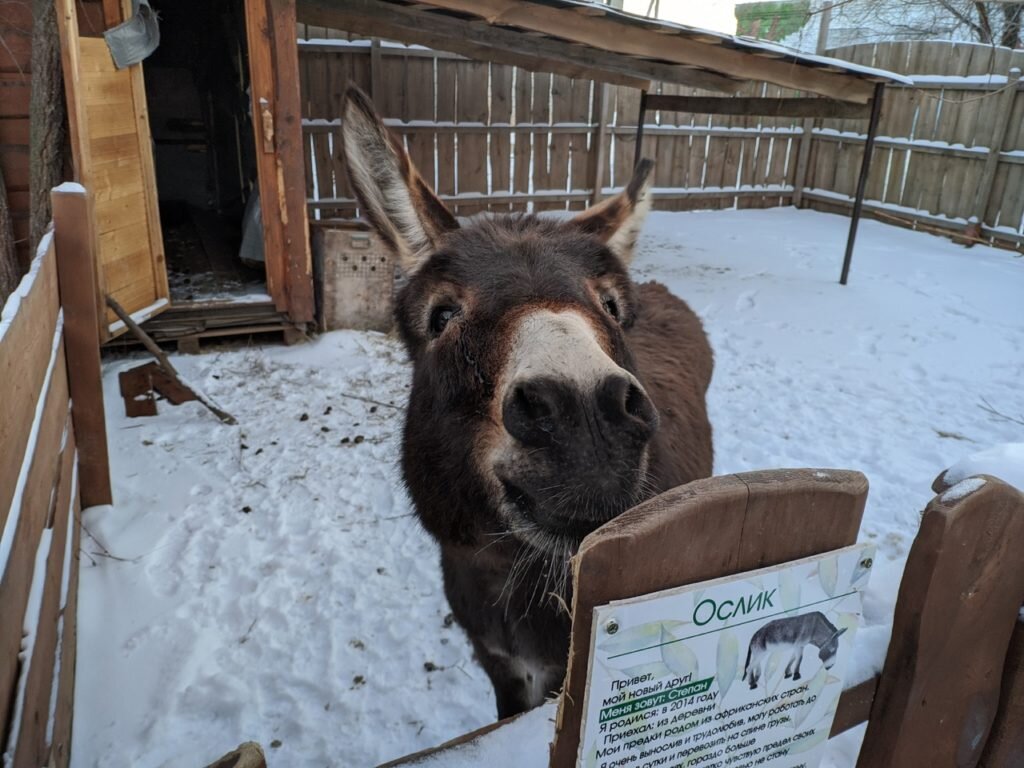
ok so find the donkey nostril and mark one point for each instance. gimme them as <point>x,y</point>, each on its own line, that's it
<point>622,402</point>
<point>531,412</point>
<point>532,404</point>
<point>636,402</point>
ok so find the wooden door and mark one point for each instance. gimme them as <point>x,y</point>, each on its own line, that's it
<point>113,157</point>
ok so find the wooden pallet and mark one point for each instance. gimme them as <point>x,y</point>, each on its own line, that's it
<point>189,323</point>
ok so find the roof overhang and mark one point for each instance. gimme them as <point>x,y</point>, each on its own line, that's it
<point>580,38</point>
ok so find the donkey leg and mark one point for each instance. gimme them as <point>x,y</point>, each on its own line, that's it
<point>755,669</point>
<point>799,652</point>
<point>511,690</point>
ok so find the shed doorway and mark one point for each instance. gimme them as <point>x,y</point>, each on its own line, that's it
<point>197,84</point>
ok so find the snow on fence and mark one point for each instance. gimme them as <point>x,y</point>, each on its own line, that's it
<point>53,450</point>
<point>499,138</point>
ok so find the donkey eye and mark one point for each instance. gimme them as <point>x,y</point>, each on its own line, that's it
<point>611,306</point>
<point>439,318</point>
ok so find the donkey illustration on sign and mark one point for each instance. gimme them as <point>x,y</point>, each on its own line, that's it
<point>549,394</point>
<point>792,634</point>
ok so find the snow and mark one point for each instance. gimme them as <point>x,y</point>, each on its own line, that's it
<point>28,642</point>
<point>271,582</point>
<point>140,315</point>
<point>10,308</point>
<point>963,489</point>
<point>70,186</point>
<point>1004,461</point>
<point>954,80</point>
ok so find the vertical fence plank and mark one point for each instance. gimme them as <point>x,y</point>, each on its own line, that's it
<point>419,107</point>
<point>501,139</point>
<point>523,157</point>
<point>75,241</point>
<point>540,114</point>
<point>957,607</point>
<point>579,150</point>
<point>1005,745</point>
<point>445,112</point>
<point>557,177</point>
<point>598,172</point>
<point>473,85</point>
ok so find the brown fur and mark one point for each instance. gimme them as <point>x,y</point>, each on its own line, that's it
<point>510,464</point>
<point>674,361</point>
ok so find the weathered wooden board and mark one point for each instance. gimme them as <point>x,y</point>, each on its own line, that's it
<point>60,743</point>
<point>964,579</point>
<point>1005,745</point>
<point>500,140</point>
<point>34,507</point>
<point>472,157</point>
<point>75,240</point>
<point>25,352</point>
<point>703,530</point>
<point>31,747</point>
<point>113,157</point>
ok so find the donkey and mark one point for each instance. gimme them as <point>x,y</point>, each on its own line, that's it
<point>792,634</point>
<point>549,394</point>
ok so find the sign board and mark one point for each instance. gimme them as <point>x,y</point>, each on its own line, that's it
<point>737,672</point>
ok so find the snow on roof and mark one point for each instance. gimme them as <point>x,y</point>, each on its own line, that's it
<point>732,41</point>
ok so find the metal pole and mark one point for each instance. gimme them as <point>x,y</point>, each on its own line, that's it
<point>640,128</point>
<point>862,181</point>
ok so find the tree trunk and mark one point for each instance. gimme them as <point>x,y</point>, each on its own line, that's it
<point>47,117</point>
<point>1013,15</point>
<point>9,271</point>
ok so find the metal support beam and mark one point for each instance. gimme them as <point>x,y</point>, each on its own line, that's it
<point>862,180</point>
<point>640,128</point>
<point>756,105</point>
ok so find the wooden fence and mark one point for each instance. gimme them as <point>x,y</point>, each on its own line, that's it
<point>949,691</point>
<point>494,137</point>
<point>53,443</point>
<point>950,148</point>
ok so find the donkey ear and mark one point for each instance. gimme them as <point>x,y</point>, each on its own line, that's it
<point>618,219</point>
<point>391,192</point>
<point>841,631</point>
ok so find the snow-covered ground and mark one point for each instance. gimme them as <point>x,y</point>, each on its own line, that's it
<point>269,581</point>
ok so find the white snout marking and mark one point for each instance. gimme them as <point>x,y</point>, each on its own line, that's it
<point>560,345</point>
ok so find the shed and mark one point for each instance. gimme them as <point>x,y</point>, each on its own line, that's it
<point>111,112</point>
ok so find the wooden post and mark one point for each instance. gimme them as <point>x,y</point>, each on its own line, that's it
<point>862,181</point>
<point>599,144</point>
<point>957,607</point>
<point>76,245</point>
<point>804,150</point>
<point>1006,744</point>
<point>277,111</point>
<point>706,529</point>
<point>1000,125</point>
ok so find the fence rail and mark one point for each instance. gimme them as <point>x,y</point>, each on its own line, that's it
<point>51,427</point>
<point>494,137</point>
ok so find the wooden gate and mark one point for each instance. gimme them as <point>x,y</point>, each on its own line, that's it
<point>113,155</point>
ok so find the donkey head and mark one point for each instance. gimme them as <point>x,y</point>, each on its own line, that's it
<point>827,652</point>
<point>526,416</point>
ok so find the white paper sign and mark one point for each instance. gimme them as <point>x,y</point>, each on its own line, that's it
<point>734,673</point>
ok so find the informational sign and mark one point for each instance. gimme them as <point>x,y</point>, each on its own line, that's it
<point>738,672</point>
